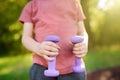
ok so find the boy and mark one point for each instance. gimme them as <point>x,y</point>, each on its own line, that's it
<point>63,18</point>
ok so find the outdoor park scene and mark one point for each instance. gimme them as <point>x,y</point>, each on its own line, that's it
<point>103,27</point>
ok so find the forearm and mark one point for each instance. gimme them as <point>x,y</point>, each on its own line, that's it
<point>85,37</point>
<point>82,31</point>
<point>29,43</point>
<point>27,37</point>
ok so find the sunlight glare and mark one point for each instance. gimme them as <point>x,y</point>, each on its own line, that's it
<point>105,4</point>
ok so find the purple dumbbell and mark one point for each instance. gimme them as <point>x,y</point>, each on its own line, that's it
<point>77,68</point>
<point>52,72</point>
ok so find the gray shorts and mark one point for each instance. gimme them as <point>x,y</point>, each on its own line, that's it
<point>37,73</point>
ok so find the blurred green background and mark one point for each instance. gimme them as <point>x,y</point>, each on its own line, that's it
<point>102,24</point>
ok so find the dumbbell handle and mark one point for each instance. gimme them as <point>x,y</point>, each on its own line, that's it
<point>77,67</point>
<point>51,72</point>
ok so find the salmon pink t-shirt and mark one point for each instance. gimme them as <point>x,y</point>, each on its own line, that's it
<point>54,17</point>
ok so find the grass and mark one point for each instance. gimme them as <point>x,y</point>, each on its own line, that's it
<point>17,67</point>
<point>103,59</point>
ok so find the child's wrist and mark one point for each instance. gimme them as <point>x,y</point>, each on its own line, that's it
<point>35,48</point>
<point>85,36</point>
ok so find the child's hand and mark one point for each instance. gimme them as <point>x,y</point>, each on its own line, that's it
<point>46,49</point>
<point>80,49</point>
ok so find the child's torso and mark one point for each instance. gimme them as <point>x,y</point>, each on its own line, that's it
<point>56,17</point>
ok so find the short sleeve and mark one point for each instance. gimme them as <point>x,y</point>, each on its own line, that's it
<point>26,15</point>
<point>80,14</point>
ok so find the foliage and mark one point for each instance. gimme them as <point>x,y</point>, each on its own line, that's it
<point>10,31</point>
<point>102,24</point>
<point>105,23</point>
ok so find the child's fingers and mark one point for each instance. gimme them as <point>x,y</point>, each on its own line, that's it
<point>49,53</point>
<point>79,45</point>
<point>52,44</point>
<point>80,56</point>
<point>48,58</point>
<point>79,48</point>
<point>80,52</point>
<point>46,49</point>
<point>51,49</point>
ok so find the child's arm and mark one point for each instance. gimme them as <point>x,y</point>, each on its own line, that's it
<point>80,49</point>
<point>43,49</point>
